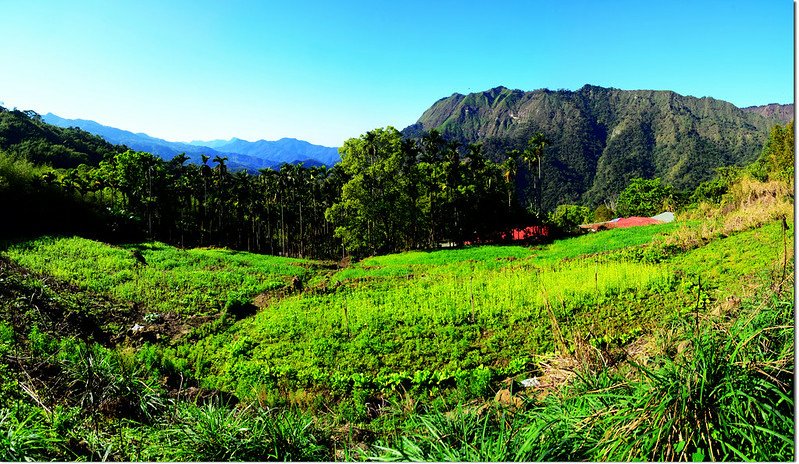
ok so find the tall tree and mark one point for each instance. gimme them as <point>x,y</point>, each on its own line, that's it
<point>374,206</point>
<point>532,155</point>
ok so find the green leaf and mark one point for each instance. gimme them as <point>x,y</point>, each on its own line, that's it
<point>698,456</point>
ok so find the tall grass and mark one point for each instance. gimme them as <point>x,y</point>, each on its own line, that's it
<point>434,322</point>
<point>434,330</point>
<point>416,319</point>
<point>25,438</point>
<point>728,396</point>
<point>750,203</point>
<point>213,432</point>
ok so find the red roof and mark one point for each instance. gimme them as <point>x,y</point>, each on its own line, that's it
<point>631,222</point>
<point>621,223</point>
<point>527,233</point>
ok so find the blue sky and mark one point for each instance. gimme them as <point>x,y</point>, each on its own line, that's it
<point>326,71</point>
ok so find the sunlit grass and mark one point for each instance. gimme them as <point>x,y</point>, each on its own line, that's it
<point>184,281</point>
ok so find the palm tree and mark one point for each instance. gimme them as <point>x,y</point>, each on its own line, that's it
<point>220,164</point>
<point>510,168</point>
<point>533,154</point>
<point>433,144</point>
<point>222,196</point>
<point>205,173</point>
<point>180,159</point>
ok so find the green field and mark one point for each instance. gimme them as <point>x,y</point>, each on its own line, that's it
<point>190,282</point>
<point>385,344</point>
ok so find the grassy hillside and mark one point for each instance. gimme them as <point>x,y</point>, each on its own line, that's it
<point>617,345</point>
<point>187,282</point>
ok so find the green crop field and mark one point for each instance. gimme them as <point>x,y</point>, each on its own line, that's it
<point>388,344</point>
<point>195,281</point>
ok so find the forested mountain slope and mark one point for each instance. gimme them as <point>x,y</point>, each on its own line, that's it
<point>602,137</point>
<point>27,135</point>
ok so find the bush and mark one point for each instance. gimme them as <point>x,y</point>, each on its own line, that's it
<point>777,158</point>
<point>568,217</point>
<point>710,191</point>
<point>217,433</point>
<point>602,213</point>
<point>114,384</point>
<point>643,197</point>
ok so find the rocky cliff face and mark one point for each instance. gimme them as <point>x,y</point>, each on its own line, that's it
<point>774,111</point>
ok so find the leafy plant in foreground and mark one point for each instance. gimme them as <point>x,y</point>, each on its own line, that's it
<point>213,432</point>
<point>728,396</point>
<point>24,440</point>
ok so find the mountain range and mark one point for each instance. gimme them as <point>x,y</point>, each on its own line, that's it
<point>600,137</point>
<point>241,154</point>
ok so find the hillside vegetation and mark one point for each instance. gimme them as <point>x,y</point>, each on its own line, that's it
<point>602,137</point>
<point>670,342</point>
<point>129,332</point>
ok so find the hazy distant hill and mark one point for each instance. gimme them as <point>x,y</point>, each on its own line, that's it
<point>284,150</point>
<point>253,155</point>
<point>603,137</point>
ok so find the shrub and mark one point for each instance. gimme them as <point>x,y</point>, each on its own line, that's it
<point>111,383</point>
<point>643,197</point>
<point>568,217</point>
<point>213,432</point>
<point>602,213</point>
<point>710,191</point>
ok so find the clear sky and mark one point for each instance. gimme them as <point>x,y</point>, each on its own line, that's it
<point>325,70</point>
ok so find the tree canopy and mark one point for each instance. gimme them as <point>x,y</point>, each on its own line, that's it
<point>643,197</point>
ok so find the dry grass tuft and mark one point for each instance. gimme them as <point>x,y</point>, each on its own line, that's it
<point>750,203</point>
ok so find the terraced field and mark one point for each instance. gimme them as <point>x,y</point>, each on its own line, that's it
<point>385,344</point>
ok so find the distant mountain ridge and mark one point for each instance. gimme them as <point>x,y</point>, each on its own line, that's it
<point>603,137</point>
<point>782,113</point>
<point>285,150</point>
<point>241,154</point>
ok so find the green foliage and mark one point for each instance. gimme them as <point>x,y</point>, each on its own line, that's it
<point>644,197</point>
<point>404,194</point>
<point>728,397</point>
<point>602,213</point>
<point>33,202</point>
<point>568,217</point>
<point>111,192</point>
<point>18,174</point>
<point>218,433</point>
<point>373,205</point>
<point>777,158</point>
<point>533,154</point>
<point>40,343</point>
<point>710,191</point>
<point>173,280</point>
<point>420,353</point>
<point>607,241</point>
<point>457,436</point>
<point>24,134</point>
<point>25,438</point>
<point>420,318</point>
<point>111,382</point>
